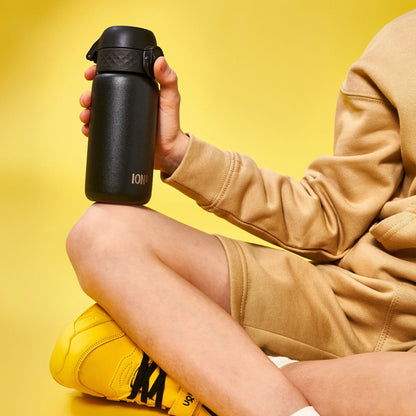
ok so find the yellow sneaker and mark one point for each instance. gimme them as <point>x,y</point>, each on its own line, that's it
<point>94,356</point>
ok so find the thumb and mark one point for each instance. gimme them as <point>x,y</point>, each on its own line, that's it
<point>165,75</point>
<point>169,97</point>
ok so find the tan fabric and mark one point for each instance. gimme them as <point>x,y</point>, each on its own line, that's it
<point>292,307</point>
<point>354,212</point>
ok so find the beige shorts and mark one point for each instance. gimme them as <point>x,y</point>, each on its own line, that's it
<point>294,308</point>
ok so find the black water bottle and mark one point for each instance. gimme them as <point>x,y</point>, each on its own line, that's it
<point>123,117</point>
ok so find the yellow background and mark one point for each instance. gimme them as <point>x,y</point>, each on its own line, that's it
<point>260,77</point>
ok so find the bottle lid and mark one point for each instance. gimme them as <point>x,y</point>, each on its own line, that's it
<point>122,37</point>
<point>140,47</point>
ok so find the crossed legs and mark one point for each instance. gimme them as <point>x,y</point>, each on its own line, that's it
<point>156,278</point>
<point>167,286</point>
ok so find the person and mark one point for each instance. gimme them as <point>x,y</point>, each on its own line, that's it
<point>209,309</point>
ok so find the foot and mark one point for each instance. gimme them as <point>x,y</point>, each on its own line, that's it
<point>94,356</point>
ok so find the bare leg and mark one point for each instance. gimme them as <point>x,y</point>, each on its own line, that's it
<point>373,384</point>
<point>158,279</point>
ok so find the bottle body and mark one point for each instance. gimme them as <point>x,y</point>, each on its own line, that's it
<point>121,142</point>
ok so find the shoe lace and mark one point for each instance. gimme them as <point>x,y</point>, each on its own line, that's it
<point>142,380</point>
<point>209,411</point>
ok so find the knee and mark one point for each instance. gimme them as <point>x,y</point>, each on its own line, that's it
<point>84,244</point>
<point>97,242</point>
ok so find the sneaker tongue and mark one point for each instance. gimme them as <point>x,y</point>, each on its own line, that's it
<point>184,405</point>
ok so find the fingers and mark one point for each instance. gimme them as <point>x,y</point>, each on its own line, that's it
<point>90,73</point>
<point>85,130</point>
<point>85,99</point>
<point>84,116</point>
<point>165,76</point>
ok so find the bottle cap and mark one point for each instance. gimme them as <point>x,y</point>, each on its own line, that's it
<point>125,48</point>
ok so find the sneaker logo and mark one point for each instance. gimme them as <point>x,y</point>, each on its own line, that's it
<point>188,399</point>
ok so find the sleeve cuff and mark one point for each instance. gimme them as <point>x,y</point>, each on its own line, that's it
<point>202,173</point>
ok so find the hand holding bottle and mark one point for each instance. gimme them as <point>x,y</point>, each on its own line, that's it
<point>171,142</point>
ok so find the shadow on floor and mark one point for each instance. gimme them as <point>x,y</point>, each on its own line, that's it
<point>84,405</point>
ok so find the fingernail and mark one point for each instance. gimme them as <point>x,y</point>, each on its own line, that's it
<point>164,65</point>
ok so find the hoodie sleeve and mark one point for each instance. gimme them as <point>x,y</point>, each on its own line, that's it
<point>339,197</point>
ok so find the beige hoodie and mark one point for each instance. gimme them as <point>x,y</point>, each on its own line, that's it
<point>356,208</point>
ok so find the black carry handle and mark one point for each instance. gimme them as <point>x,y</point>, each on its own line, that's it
<point>92,54</point>
<point>150,54</point>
